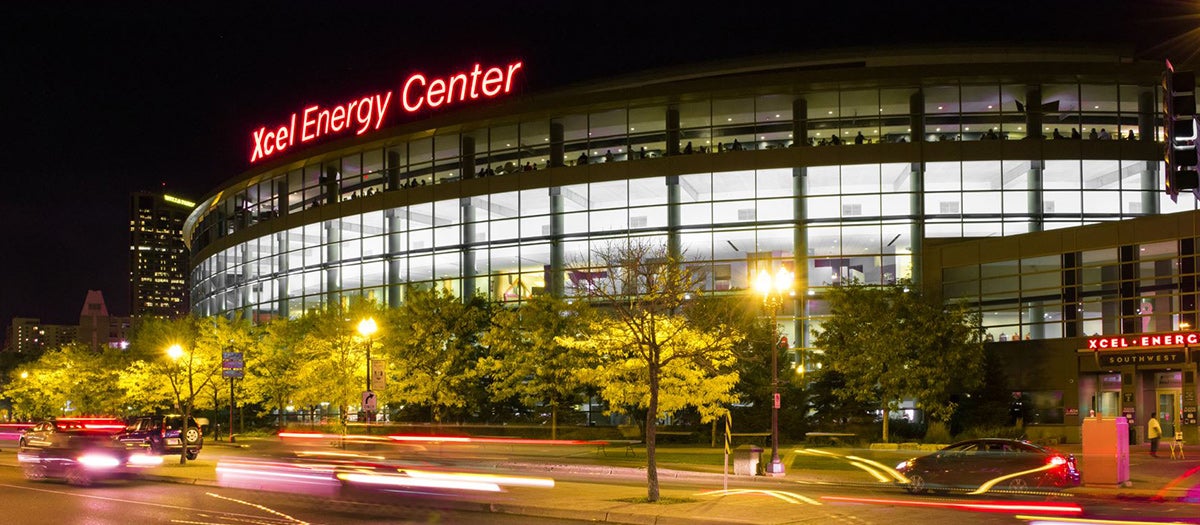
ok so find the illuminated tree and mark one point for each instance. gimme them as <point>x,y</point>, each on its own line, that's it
<point>526,359</point>
<point>653,346</point>
<point>889,343</point>
<point>73,377</point>
<point>432,345</point>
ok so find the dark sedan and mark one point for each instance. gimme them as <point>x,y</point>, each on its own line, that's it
<point>980,465</point>
<point>82,457</point>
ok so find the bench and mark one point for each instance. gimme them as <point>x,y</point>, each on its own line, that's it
<point>832,438</point>
<point>756,437</point>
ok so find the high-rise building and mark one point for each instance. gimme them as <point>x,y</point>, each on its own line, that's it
<point>157,255</point>
<point>24,335</point>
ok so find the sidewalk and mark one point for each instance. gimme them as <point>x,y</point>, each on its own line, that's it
<point>778,501</point>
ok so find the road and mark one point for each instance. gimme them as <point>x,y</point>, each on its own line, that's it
<point>579,494</point>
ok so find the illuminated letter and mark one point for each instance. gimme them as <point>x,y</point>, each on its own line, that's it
<point>339,114</point>
<point>269,141</point>
<point>404,96</point>
<point>380,108</point>
<point>1193,339</point>
<point>364,121</point>
<point>492,77</point>
<point>323,116</point>
<point>437,88</point>
<point>512,68</point>
<point>258,151</point>
<point>461,80</point>
<point>474,81</point>
<point>292,131</point>
<point>305,136</point>
<point>1092,344</point>
<point>281,138</point>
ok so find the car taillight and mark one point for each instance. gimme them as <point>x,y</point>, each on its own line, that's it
<point>1057,461</point>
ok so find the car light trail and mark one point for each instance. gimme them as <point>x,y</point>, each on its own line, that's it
<point>99,461</point>
<point>395,480</point>
<point>983,506</point>
<point>259,507</point>
<point>490,478</point>
<point>895,474</point>
<point>790,497</point>
<point>1161,494</point>
<point>877,470</point>
<point>997,480</point>
<point>145,460</point>
<point>1044,520</point>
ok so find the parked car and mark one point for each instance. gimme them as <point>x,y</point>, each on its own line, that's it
<point>82,457</point>
<point>165,434</point>
<point>1007,463</point>
<point>49,432</point>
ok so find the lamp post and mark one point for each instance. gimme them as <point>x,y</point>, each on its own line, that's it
<point>367,328</point>
<point>772,290</point>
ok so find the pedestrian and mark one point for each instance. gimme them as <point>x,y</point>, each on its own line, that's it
<point>1154,432</point>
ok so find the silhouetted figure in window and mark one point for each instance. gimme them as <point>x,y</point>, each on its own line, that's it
<point>582,159</point>
<point>528,166</point>
<point>1130,137</point>
<point>1075,134</point>
<point>642,153</point>
<point>1093,135</point>
<point>1104,134</point>
<point>1058,135</point>
<point>835,140</point>
<point>736,146</point>
<point>608,156</point>
<point>687,150</point>
<point>859,139</point>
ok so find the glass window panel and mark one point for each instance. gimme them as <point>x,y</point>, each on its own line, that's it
<point>734,211</point>
<point>894,109</point>
<point>896,204</point>
<point>860,113</point>
<point>858,206</point>
<point>943,176</point>
<point>533,202</point>
<point>1060,104</point>
<point>780,209</point>
<point>1063,202</point>
<point>695,188</point>
<point>774,183</point>
<point>982,203</point>
<point>860,178</point>
<point>981,175</point>
<point>943,204</point>
<point>643,192</point>
<point>1061,174</point>
<point>1101,174</point>
<point>695,214</point>
<point>535,142</point>
<point>608,195</point>
<point>824,240</point>
<point>607,124</point>
<point>510,229</point>
<point>574,198</point>
<point>823,180</point>
<point>1102,202</point>
<point>575,223</point>
<point>733,185</point>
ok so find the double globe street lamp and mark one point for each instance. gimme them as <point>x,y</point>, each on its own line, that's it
<point>773,289</point>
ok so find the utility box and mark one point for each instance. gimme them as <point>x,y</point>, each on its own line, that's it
<point>1105,451</point>
<point>745,460</point>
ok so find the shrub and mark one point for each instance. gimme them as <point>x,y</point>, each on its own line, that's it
<point>1011,432</point>
<point>937,432</point>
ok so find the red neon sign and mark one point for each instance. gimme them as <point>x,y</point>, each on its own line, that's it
<point>368,113</point>
<point>1144,341</point>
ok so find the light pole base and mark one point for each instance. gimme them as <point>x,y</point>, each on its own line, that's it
<point>775,468</point>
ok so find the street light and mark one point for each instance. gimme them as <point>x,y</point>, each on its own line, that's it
<point>772,290</point>
<point>175,352</point>
<point>367,328</point>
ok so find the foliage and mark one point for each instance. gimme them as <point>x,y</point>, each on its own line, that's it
<point>330,361</point>
<point>889,343</point>
<point>431,342</point>
<point>275,365</point>
<point>998,431</point>
<point>73,377</point>
<point>525,359</point>
<point>937,432</point>
<point>652,347</point>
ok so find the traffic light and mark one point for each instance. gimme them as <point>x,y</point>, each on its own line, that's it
<point>1179,122</point>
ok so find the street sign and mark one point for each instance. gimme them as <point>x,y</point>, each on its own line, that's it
<point>378,374</point>
<point>368,401</point>
<point>232,360</point>
<point>776,400</point>
<point>236,373</point>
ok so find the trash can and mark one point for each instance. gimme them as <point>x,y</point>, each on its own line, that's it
<point>745,460</point>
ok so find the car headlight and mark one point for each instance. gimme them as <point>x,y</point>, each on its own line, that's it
<point>903,465</point>
<point>99,461</point>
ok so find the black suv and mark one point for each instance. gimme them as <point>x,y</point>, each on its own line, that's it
<point>164,434</point>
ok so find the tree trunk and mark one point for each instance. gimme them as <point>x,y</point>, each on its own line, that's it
<point>553,420</point>
<point>886,417</point>
<point>651,436</point>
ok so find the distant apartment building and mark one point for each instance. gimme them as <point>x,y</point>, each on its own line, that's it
<point>158,257</point>
<point>29,335</point>
<point>97,329</point>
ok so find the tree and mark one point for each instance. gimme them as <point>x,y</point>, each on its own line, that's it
<point>526,359</point>
<point>70,379</point>
<point>187,352</point>
<point>432,341</point>
<point>652,347</point>
<point>333,364</point>
<point>890,343</point>
<point>275,364</point>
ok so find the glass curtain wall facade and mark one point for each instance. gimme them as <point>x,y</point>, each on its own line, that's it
<point>508,209</point>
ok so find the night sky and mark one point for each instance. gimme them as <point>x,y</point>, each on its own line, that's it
<point>101,99</point>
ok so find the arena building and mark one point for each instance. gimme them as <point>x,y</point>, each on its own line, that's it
<point>985,175</point>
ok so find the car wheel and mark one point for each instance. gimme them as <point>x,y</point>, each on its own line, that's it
<point>916,484</point>
<point>191,436</point>
<point>22,443</point>
<point>79,476</point>
<point>192,454</point>
<point>1018,484</point>
<point>34,472</point>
